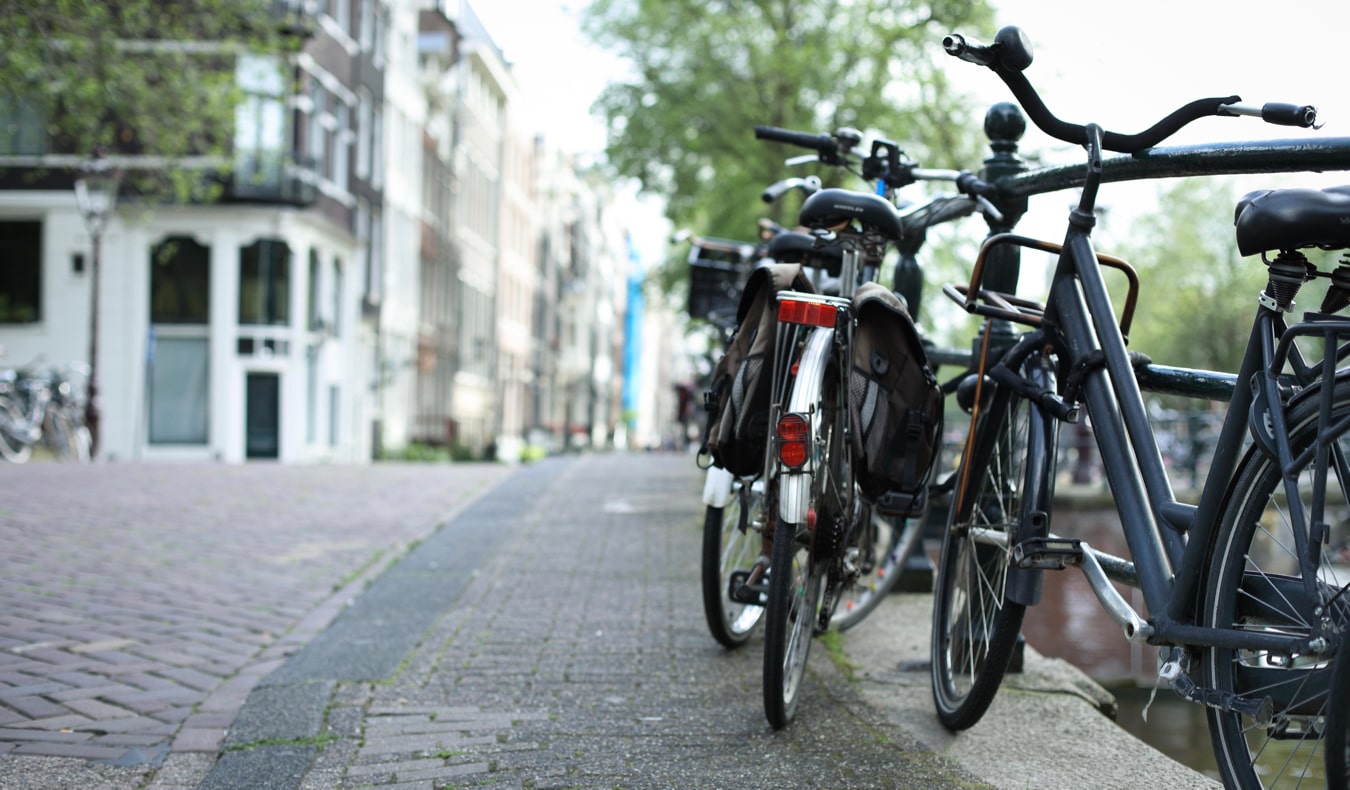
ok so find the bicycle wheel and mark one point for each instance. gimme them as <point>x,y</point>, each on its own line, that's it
<point>68,440</point>
<point>730,544</point>
<point>794,600</point>
<point>974,626</point>
<point>879,557</point>
<point>14,446</point>
<point>797,567</point>
<point>1336,740</point>
<point>1254,585</point>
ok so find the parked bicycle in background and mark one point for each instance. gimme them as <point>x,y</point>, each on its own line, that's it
<point>38,408</point>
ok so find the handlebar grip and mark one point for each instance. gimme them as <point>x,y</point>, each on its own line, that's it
<point>1303,116</point>
<point>1010,52</point>
<point>816,142</point>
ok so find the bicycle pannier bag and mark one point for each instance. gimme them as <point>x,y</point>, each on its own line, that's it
<point>738,399</point>
<point>896,403</point>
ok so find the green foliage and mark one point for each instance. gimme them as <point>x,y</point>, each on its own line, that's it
<point>139,77</point>
<point>705,72</point>
<point>1197,295</point>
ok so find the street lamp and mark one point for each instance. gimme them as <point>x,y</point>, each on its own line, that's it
<point>96,196</point>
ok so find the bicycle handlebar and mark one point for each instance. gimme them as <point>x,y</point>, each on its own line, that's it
<point>1010,54</point>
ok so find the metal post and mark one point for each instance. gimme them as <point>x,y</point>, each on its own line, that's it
<point>96,197</point>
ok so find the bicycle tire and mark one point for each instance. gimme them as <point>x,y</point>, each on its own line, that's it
<point>65,436</point>
<point>729,545</point>
<point>796,570</point>
<point>882,551</point>
<point>975,627</point>
<point>1336,740</point>
<point>1253,553</point>
<point>13,447</point>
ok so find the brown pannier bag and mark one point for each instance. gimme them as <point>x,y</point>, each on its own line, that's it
<point>896,404</point>
<point>738,399</point>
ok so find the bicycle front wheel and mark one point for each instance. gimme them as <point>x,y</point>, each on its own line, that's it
<point>975,626</point>
<point>730,545</point>
<point>1255,584</point>
<point>14,428</point>
<point>1336,741</point>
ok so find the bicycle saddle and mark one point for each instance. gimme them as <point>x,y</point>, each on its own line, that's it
<point>832,208</point>
<point>793,247</point>
<point>1283,219</point>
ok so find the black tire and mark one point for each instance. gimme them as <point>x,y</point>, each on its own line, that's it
<point>730,544</point>
<point>975,627</point>
<point>1253,584</point>
<point>794,599</point>
<point>1336,741</point>
<point>797,569</point>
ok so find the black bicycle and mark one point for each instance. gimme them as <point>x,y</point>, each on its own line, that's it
<point>1243,593</point>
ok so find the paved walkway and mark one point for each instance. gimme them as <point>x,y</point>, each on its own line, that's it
<point>550,634</point>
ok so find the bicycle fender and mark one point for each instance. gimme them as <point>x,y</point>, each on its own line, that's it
<point>717,487</point>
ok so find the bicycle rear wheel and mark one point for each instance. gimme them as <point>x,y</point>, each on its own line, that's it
<point>1254,584</point>
<point>67,438</point>
<point>880,554</point>
<point>730,545</point>
<point>975,626</point>
<point>800,558</point>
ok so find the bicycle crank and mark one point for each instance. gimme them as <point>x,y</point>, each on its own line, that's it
<point>1260,710</point>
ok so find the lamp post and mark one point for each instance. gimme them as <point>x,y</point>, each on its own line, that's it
<point>96,197</point>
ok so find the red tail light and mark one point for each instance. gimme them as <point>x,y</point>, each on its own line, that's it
<point>808,313</point>
<point>793,437</point>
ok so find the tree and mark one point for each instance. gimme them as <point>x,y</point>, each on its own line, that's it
<point>145,78</point>
<point>1196,294</point>
<point>705,72</point>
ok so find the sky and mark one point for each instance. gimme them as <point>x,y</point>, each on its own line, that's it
<point>1123,65</point>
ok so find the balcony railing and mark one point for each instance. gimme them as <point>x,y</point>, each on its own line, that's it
<point>273,179</point>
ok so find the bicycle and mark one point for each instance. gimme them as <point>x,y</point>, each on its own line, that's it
<point>1237,586</point>
<point>835,552</point>
<point>40,407</point>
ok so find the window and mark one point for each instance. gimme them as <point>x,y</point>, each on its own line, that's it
<point>365,131</point>
<point>315,318</point>
<point>20,272</point>
<point>260,121</point>
<point>180,282</point>
<point>21,127</point>
<point>180,386</point>
<point>264,283</point>
<point>336,328</point>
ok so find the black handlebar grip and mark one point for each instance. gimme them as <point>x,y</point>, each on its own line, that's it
<point>1303,116</point>
<point>1010,52</point>
<point>816,142</point>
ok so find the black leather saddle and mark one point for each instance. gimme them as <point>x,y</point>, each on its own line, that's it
<point>1286,219</point>
<point>832,208</point>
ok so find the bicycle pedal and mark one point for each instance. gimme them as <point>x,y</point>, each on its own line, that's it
<point>749,594</point>
<point>1047,553</point>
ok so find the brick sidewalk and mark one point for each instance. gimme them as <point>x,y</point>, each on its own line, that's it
<point>140,604</point>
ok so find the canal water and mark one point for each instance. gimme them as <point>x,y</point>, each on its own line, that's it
<point>1070,623</point>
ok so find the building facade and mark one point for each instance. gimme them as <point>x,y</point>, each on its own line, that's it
<point>397,259</point>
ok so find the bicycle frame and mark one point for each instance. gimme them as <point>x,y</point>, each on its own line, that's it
<point>1168,540</point>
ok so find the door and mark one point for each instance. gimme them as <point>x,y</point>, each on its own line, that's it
<point>262,417</point>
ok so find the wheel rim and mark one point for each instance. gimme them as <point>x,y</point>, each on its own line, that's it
<point>1257,589</point>
<point>740,548</point>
